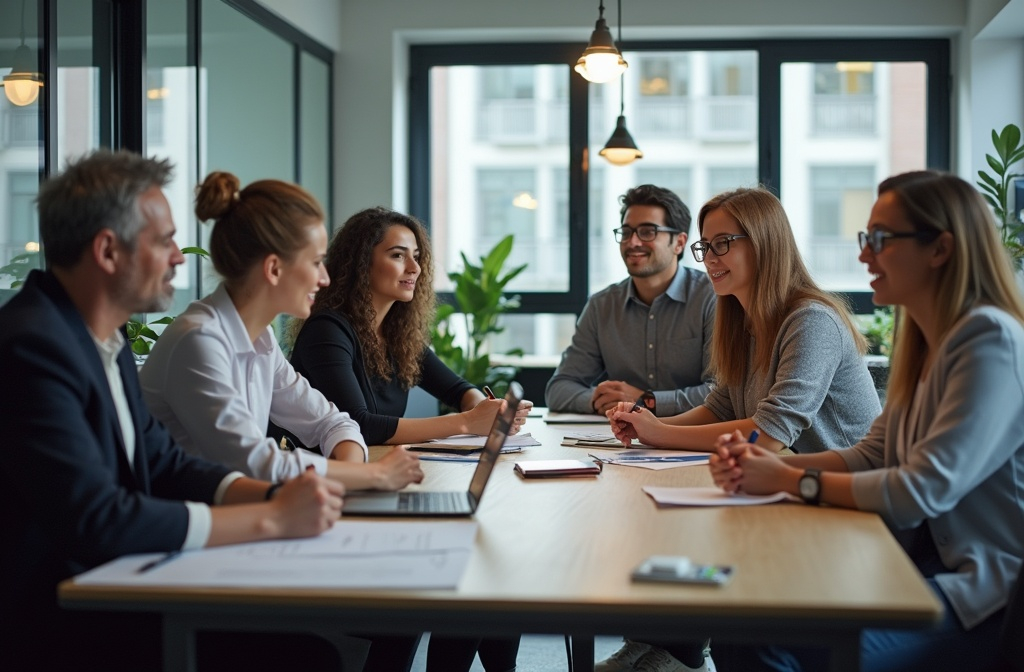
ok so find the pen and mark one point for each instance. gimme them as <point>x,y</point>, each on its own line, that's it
<point>753,437</point>
<point>638,405</point>
<point>487,391</point>
<point>162,560</point>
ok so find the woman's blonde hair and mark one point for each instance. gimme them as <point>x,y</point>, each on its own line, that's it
<point>406,327</point>
<point>780,283</point>
<point>267,217</point>
<point>978,272</point>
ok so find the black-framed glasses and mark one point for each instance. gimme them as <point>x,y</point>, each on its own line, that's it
<point>719,245</point>
<point>645,232</point>
<point>876,239</point>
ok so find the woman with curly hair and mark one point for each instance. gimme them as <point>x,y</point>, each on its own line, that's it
<point>367,343</point>
<point>217,376</point>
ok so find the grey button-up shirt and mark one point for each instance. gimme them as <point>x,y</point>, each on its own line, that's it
<point>663,347</point>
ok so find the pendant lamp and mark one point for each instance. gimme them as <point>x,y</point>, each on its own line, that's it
<point>620,150</point>
<point>23,83</point>
<point>601,62</point>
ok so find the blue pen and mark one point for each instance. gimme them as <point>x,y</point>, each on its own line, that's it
<point>753,437</point>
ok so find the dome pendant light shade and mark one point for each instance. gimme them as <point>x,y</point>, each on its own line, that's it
<point>601,61</point>
<point>620,150</point>
<point>23,84</point>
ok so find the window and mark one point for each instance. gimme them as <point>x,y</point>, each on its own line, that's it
<point>199,121</point>
<point>819,122</point>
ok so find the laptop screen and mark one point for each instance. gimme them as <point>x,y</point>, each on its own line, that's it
<point>495,441</point>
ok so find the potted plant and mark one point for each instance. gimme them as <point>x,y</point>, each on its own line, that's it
<point>996,189</point>
<point>480,299</point>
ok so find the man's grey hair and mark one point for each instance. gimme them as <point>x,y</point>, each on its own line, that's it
<point>97,191</point>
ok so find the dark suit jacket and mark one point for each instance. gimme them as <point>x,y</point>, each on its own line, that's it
<point>69,500</point>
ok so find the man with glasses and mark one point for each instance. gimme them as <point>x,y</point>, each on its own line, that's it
<point>648,335</point>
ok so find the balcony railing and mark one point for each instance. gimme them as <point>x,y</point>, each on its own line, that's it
<point>664,117</point>
<point>19,127</point>
<point>525,122</point>
<point>834,256</point>
<point>836,115</point>
<point>728,118</point>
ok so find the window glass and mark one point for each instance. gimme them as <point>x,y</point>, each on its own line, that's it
<point>845,126</point>
<point>697,141</point>
<point>315,129</point>
<point>20,156</point>
<point>508,177</point>
<point>170,108</point>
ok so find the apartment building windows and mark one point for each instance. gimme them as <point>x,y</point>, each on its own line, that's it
<point>844,98</point>
<point>709,117</point>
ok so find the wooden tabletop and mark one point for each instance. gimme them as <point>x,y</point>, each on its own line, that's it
<point>555,555</point>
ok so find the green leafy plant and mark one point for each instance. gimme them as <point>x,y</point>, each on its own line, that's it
<point>141,335</point>
<point>480,300</point>
<point>996,189</point>
<point>19,266</point>
<point>877,329</point>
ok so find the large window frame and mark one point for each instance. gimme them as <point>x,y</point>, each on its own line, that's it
<point>118,36</point>
<point>772,54</point>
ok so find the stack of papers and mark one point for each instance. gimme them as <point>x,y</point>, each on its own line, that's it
<point>556,418</point>
<point>471,443</point>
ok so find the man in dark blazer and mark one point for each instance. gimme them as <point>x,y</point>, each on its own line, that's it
<point>88,474</point>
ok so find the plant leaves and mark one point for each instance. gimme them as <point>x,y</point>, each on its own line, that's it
<point>197,251</point>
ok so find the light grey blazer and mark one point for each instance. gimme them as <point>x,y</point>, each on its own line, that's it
<point>956,459</point>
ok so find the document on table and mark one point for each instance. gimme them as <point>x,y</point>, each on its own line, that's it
<point>556,418</point>
<point>473,442</point>
<point>711,497</point>
<point>655,459</point>
<point>389,554</point>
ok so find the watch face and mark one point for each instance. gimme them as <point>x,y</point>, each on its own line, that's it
<point>808,487</point>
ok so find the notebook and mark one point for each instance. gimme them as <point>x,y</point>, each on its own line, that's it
<point>425,503</point>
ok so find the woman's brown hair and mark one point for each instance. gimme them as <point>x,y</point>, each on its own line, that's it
<point>780,283</point>
<point>406,327</point>
<point>267,217</point>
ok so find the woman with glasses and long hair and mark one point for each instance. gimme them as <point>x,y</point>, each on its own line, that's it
<point>944,463</point>
<point>786,357</point>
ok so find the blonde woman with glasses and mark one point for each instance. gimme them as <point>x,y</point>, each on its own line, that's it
<point>944,463</point>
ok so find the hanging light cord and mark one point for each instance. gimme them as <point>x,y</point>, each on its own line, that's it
<point>622,77</point>
<point>23,21</point>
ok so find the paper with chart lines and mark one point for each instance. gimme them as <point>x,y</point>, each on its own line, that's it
<point>386,554</point>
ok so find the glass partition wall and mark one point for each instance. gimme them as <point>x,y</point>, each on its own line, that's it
<point>227,85</point>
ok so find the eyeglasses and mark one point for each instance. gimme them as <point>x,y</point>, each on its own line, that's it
<point>877,238</point>
<point>645,232</point>
<point>719,245</point>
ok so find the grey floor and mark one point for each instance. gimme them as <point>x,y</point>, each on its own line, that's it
<point>537,653</point>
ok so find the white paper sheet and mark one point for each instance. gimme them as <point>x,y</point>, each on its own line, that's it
<point>653,458</point>
<point>556,418</point>
<point>387,554</point>
<point>471,441</point>
<point>711,497</point>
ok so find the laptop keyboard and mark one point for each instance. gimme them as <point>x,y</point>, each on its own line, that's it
<point>432,502</point>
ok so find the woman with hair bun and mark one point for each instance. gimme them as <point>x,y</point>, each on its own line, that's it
<point>217,376</point>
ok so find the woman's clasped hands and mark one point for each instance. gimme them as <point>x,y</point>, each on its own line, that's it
<point>739,466</point>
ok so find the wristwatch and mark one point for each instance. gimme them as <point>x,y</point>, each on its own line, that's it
<point>810,486</point>
<point>649,401</point>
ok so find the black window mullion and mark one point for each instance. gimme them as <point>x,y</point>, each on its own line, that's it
<point>130,69</point>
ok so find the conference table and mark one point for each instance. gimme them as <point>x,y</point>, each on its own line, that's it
<point>555,556</point>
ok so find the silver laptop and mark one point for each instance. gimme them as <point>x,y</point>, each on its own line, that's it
<point>425,503</point>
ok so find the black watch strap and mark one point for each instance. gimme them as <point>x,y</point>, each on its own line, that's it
<point>271,491</point>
